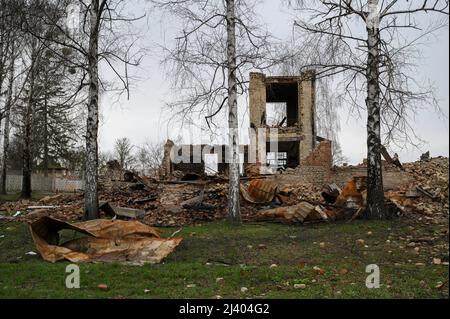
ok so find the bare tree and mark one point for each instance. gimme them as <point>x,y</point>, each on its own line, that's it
<point>96,9</point>
<point>369,46</point>
<point>234,213</point>
<point>328,125</point>
<point>6,36</point>
<point>30,86</point>
<point>220,43</point>
<point>142,159</point>
<point>123,149</point>
<point>103,35</point>
<point>8,57</point>
<point>6,128</point>
<point>34,50</point>
<point>104,158</point>
<point>150,157</point>
<point>328,101</point>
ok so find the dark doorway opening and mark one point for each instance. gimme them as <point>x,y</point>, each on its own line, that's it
<point>285,92</point>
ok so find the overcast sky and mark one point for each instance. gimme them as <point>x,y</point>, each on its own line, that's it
<point>144,117</point>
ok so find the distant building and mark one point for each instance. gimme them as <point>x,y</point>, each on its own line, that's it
<point>53,171</point>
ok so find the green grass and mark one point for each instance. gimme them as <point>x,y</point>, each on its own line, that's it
<point>242,257</point>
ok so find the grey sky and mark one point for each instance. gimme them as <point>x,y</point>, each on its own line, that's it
<point>144,117</point>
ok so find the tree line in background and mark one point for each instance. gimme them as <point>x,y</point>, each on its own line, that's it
<point>145,159</point>
<point>51,83</point>
<point>41,111</point>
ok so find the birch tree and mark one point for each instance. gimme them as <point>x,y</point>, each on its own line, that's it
<point>102,14</point>
<point>368,45</point>
<point>4,57</point>
<point>34,51</point>
<point>95,11</point>
<point>7,120</point>
<point>102,35</point>
<point>220,42</point>
<point>234,213</point>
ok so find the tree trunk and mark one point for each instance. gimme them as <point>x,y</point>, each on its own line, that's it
<point>26,162</point>
<point>8,107</point>
<point>45,137</point>
<point>375,193</point>
<point>91,210</point>
<point>2,59</point>
<point>234,214</point>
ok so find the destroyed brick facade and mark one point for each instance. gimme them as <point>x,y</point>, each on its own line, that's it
<point>296,137</point>
<point>165,169</point>
<point>321,156</point>
<point>308,157</point>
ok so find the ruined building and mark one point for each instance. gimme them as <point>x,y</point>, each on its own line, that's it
<point>296,95</point>
<point>292,98</point>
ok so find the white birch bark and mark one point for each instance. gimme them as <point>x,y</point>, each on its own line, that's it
<point>7,124</point>
<point>375,194</point>
<point>91,174</point>
<point>234,214</point>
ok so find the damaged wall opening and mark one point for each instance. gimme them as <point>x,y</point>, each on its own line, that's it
<point>284,93</point>
<point>288,154</point>
<point>211,164</point>
<point>286,103</point>
<point>277,159</point>
<point>276,114</point>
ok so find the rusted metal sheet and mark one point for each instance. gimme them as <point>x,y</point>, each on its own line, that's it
<point>352,194</point>
<point>260,191</point>
<point>300,213</point>
<point>296,213</point>
<point>128,242</point>
<point>253,170</point>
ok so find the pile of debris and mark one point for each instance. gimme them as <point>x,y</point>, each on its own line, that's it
<point>427,197</point>
<point>132,206</point>
<point>424,197</point>
<point>153,202</point>
<point>194,199</point>
<point>61,206</point>
<point>431,175</point>
<point>290,203</point>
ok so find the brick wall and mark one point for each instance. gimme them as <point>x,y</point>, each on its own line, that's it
<point>44,184</point>
<point>392,176</point>
<point>316,175</point>
<point>307,112</point>
<point>322,175</point>
<point>320,156</point>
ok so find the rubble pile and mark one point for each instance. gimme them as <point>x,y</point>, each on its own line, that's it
<point>427,197</point>
<point>182,204</point>
<point>60,206</point>
<point>431,175</point>
<point>300,191</point>
<point>184,201</point>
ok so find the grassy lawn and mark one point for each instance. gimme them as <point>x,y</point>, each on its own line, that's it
<point>245,257</point>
